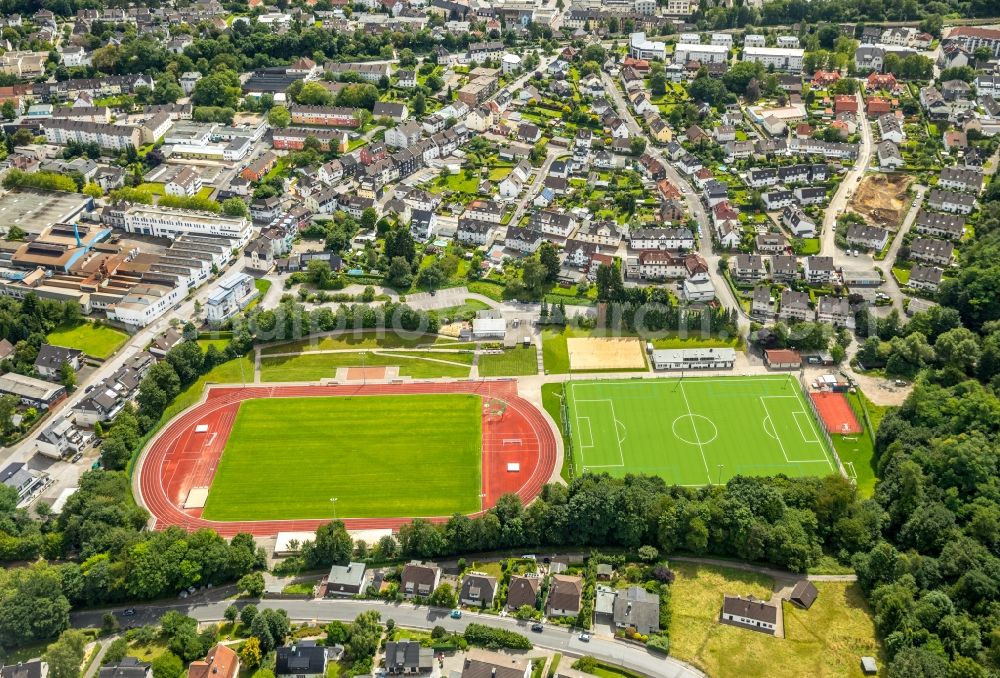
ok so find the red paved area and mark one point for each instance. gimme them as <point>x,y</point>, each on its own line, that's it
<point>359,373</point>
<point>835,412</point>
<point>180,458</point>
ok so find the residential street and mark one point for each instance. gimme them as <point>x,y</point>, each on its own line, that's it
<point>557,638</point>
<point>886,264</point>
<point>64,474</point>
<point>722,291</point>
<point>847,187</point>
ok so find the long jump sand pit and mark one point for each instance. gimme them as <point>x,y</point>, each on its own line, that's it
<point>605,353</point>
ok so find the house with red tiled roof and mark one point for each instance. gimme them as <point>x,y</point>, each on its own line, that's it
<point>886,81</point>
<point>221,662</point>
<point>878,106</point>
<point>823,79</point>
<point>845,102</point>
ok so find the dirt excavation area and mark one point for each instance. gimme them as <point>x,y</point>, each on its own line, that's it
<point>882,199</point>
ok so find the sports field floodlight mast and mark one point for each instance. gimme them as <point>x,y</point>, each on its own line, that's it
<point>333,500</point>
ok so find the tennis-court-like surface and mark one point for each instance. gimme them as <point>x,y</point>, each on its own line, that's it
<point>696,431</point>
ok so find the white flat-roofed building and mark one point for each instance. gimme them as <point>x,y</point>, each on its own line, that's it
<point>694,358</point>
<point>705,54</point>
<point>484,328</point>
<point>232,296</point>
<point>167,222</point>
<point>641,48</point>
<point>782,58</point>
<point>145,303</point>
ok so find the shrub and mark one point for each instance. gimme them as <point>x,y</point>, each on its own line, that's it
<point>495,639</point>
<point>660,643</point>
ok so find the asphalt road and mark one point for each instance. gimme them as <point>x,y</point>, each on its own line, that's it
<point>555,638</point>
<point>722,291</point>
<point>63,473</point>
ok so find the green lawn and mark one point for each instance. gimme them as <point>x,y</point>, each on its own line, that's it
<point>262,285</point>
<point>555,353</point>
<point>515,362</point>
<point>466,311</point>
<point>694,341</point>
<point>98,341</point>
<point>696,431</point>
<point>316,366</point>
<point>287,457</point>
<point>217,343</point>
<point>356,340</point>
<point>859,451</point>
<point>552,399</point>
<point>824,641</point>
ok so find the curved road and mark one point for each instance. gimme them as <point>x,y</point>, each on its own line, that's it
<point>556,638</point>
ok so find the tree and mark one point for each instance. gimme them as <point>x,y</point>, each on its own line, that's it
<point>67,375</point>
<point>658,84</point>
<point>637,145</point>
<point>250,652</point>
<point>443,596</point>
<point>431,277</point>
<point>399,275</point>
<point>167,665</point>
<point>332,546</point>
<point>252,584</point>
<point>235,207</point>
<point>16,233</point>
<point>279,117</point>
<point>93,190</point>
<point>247,614</point>
<point>66,654</point>
<point>418,104</point>
<point>314,94</point>
<point>32,605</point>
<point>549,258</point>
<point>534,275</point>
<point>231,614</point>
<point>220,89</point>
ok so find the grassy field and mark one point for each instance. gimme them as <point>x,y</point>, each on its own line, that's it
<point>286,458</point>
<point>696,431</point>
<point>552,402</point>
<point>825,641</point>
<point>316,366</point>
<point>555,354</point>
<point>356,341</point>
<point>514,362</point>
<point>98,341</point>
<point>860,450</point>
<point>695,341</point>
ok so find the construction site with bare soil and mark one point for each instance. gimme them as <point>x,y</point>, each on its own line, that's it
<point>881,199</point>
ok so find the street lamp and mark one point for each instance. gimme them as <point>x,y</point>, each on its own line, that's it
<point>242,377</point>
<point>720,474</point>
<point>334,501</point>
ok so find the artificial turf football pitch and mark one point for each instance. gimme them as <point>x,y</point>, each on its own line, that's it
<point>379,456</point>
<point>695,431</point>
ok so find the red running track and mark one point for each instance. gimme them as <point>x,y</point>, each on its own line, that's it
<point>836,412</point>
<point>180,458</point>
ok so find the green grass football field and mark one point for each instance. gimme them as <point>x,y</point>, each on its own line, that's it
<point>380,456</point>
<point>696,431</point>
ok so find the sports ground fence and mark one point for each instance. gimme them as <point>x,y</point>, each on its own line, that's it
<point>564,412</point>
<point>822,429</point>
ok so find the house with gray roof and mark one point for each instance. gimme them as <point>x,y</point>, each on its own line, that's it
<point>639,609</point>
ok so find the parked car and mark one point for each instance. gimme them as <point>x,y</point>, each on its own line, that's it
<point>456,614</point>
<point>128,612</point>
<point>585,637</point>
<point>536,627</point>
